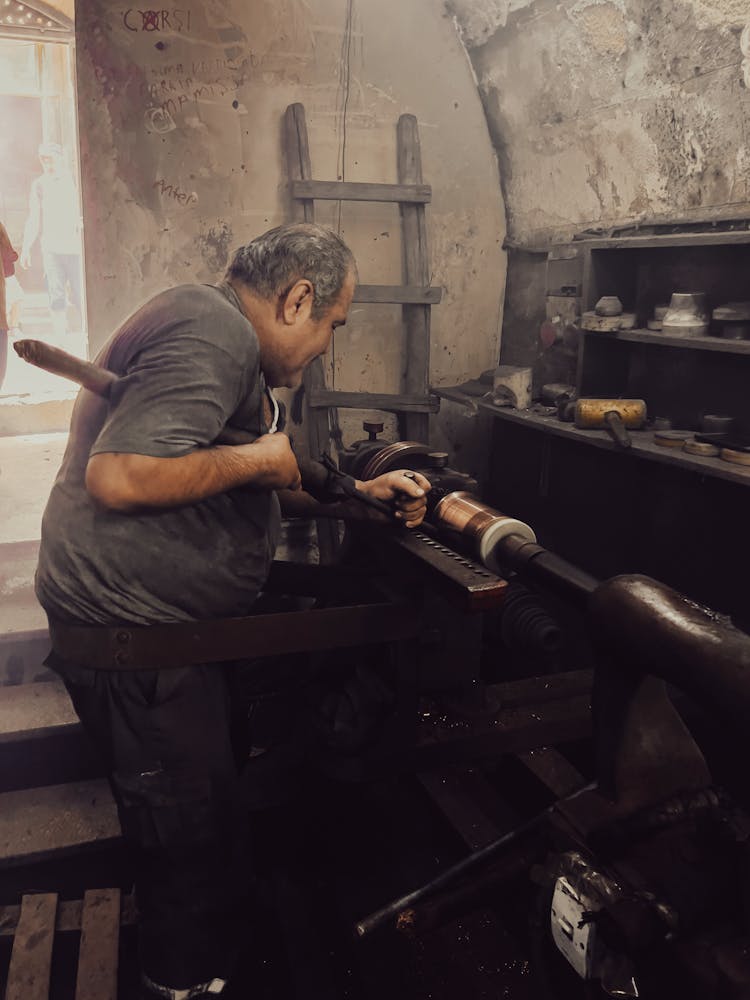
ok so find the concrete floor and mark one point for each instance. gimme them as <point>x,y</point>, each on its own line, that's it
<point>28,466</point>
<point>32,400</point>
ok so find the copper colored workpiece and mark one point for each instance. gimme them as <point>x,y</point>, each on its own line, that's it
<point>484,526</point>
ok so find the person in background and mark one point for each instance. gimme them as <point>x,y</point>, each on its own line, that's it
<point>8,256</point>
<point>54,220</point>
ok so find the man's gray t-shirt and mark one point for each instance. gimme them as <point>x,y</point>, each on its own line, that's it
<point>189,364</point>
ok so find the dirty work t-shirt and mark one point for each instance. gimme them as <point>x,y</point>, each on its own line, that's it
<point>189,364</point>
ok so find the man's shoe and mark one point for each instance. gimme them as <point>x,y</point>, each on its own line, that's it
<point>201,991</point>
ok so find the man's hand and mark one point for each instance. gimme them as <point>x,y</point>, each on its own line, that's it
<point>408,490</point>
<point>279,469</point>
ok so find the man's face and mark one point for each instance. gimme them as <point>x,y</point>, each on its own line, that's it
<point>309,339</point>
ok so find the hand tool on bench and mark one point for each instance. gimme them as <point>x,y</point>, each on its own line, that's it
<point>613,415</point>
<point>322,476</point>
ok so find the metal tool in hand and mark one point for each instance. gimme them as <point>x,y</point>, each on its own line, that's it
<point>339,481</point>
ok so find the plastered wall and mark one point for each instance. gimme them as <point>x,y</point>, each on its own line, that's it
<point>180,115</point>
<point>612,111</point>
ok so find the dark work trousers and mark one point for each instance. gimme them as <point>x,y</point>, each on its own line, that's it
<point>166,736</point>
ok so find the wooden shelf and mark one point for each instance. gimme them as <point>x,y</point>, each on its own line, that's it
<point>670,340</point>
<point>687,239</point>
<point>643,443</point>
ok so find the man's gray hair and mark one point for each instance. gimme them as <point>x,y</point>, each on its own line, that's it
<point>273,262</point>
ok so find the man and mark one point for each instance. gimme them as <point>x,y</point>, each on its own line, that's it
<point>151,521</point>
<point>54,218</point>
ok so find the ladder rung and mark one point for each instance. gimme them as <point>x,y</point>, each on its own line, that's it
<point>352,191</point>
<point>320,398</point>
<point>398,294</point>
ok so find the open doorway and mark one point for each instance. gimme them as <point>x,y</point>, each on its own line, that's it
<point>40,205</point>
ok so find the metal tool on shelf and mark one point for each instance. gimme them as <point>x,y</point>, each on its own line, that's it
<point>614,415</point>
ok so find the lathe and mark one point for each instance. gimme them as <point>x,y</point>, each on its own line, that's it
<point>642,872</point>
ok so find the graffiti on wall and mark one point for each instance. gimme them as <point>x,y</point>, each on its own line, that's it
<point>175,192</point>
<point>166,21</point>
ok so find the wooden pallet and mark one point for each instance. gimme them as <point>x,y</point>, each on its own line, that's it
<point>34,926</point>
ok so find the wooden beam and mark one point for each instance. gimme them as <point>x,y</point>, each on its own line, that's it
<point>297,150</point>
<point>398,295</point>
<point>299,166</point>
<point>68,917</point>
<point>31,959</point>
<point>352,191</point>
<point>320,398</point>
<point>100,939</point>
<point>415,426</point>
<point>553,770</point>
<point>448,789</point>
<point>512,730</point>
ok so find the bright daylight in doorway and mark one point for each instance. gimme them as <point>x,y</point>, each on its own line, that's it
<point>41,237</point>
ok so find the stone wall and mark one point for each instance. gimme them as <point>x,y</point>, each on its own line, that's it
<point>180,115</point>
<point>612,111</point>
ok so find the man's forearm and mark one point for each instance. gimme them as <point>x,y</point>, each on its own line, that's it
<point>128,483</point>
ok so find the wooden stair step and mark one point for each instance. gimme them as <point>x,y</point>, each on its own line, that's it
<point>35,710</point>
<point>41,740</point>
<point>41,823</point>
<point>24,639</point>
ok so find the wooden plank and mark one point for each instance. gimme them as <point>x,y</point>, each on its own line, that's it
<point>512,730</point>
<point>100,939</point>
<point>542,689</point>
<point>463,812</point>
<point>68,917</point>
<point>553,770</point>
<point>39,823</point>
<point>391,403</point>
<point>667,240</point>
<point>354,191</point>
<point>643,446</point>
<point>415,426</point>
<point>297,149</point>
<point>31,958</point>
<point>299,166</point>
<point>670,340</point>
<point>398,295</point>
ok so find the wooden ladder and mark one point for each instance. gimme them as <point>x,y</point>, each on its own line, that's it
<point>415,402</point>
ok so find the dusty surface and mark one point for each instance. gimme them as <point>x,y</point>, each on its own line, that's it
<point>28,466</point>
<point>606,112</point>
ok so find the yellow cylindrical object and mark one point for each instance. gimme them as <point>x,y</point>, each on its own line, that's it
<point>591,412</point>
